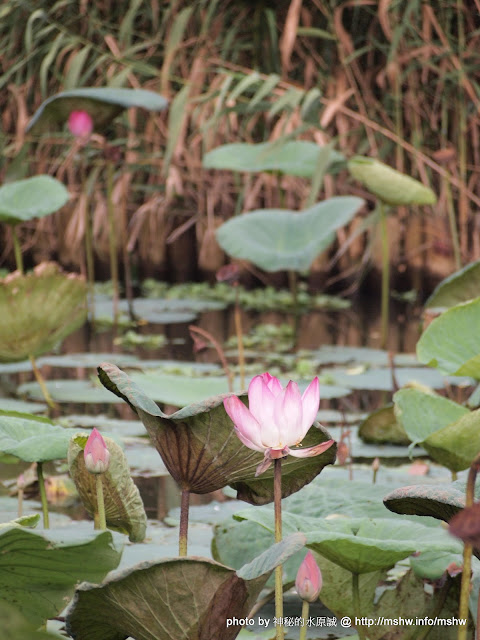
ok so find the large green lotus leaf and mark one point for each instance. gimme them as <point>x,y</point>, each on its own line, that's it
<point>16,627</point>
<point>124,510</point>
<point>102,103</point>
<point>382,426</point>
<point>276,239</point>
<point>188,598</point>
<point>31,198</point>
<point>39,570</point>
<point>33,438</point>
<point>199,447</point>
<point>359,545</point>
<point>421,414</point>
<point>452,341</point>
<point>39,310</point>
<point>296,157</point>
<point>439,501</point>
<point>461,286</point>
<point>456,445</point>
<point>388,184</point>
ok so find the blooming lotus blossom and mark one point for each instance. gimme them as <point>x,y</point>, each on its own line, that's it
<point>96,454</point>
<point>277,418</point>
<point>308,582</point>
<point>80,124</point>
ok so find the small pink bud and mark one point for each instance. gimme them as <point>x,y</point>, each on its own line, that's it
<point>309,579</point>
<point>96,454</point>
<point>376,464</point>
<point>80,124</point>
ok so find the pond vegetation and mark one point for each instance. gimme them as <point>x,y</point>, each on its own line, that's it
<point>277,449</point>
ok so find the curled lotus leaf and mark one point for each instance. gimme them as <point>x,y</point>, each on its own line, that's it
<point>389,185</point>
<point>39,310</point>
<point>201,451</point>
<point>188,598</point>
<point>124,510</point>
<point>102,103</point>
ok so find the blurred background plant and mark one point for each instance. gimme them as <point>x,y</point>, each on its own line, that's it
<point>398,81</point>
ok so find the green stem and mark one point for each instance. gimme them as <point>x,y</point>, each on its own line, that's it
<point>112,236</point>
<point>183,538</point>
<point>39,378</point>
<point>89,258</point>
<point>467,553</point>
<point>453,225</point>
<point>238,329</point>
<point>102,523</point>
<point>277,501</point>
<point>303,628</point>
<point>17,249</point>
<point>43,495</point>
<point>385,274</point>
<point>356,604</point>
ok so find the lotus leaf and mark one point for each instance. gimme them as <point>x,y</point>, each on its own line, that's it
<point>389,185</point>
<point>102,103</point>
<point>124,509</point>
<point>461,286</point>
<point>39,310</point>
<point>38,570</point>
<point>295,157</point>
<point>31,198</point>
<point>16,627</point>
<point>382,426</point>
<point>452,341</point>
<point>32,438</point>
<point>189,598</point>
<point>276,239</point>
<point>199,447</point>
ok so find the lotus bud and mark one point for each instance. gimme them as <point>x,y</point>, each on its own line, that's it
<point>80,124</point>
<point>96,454</point>
<point>309,579</point>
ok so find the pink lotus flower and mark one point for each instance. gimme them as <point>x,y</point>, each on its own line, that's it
<point>277,419</point>
<point>96,454</point>
<point>80,124</point>
<point>309,579</point>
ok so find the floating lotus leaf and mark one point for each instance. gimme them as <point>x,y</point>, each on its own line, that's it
<point>461,286</point>
<point>452,341</point>
<point>38,570</point>
<point>31,198</point>
<point>102,103</point>
<point>199,447</point>
<point>124,510</point>
<point>188,598</point>
<point>296,157</point>
<point>389,185</point>
<point>39,310</point>
<point>33,438</point>
<point>276,239</point>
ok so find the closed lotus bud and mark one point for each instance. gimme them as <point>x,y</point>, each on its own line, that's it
<point>96,454</point>
<point>80,124</point>
<point>309,579</point>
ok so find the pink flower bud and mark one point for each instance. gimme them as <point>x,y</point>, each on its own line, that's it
<point>80,124</point>
<point>96,454</point>
<point>309,579</point>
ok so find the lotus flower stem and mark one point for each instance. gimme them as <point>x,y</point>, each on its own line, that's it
<point>385,273</point>
<point>112,239</point>
<point>303,628</point>
<point>277,502</point>
<point>102,523</point>
<point>356,604</point>
<point>43,386</point>
<point>467,553</point>
<point>17,249</point>
<point>238,329</point>
<point>43,495</point>
<point>183,538</point>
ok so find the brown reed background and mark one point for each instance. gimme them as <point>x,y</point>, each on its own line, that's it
<point>395,80</point>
